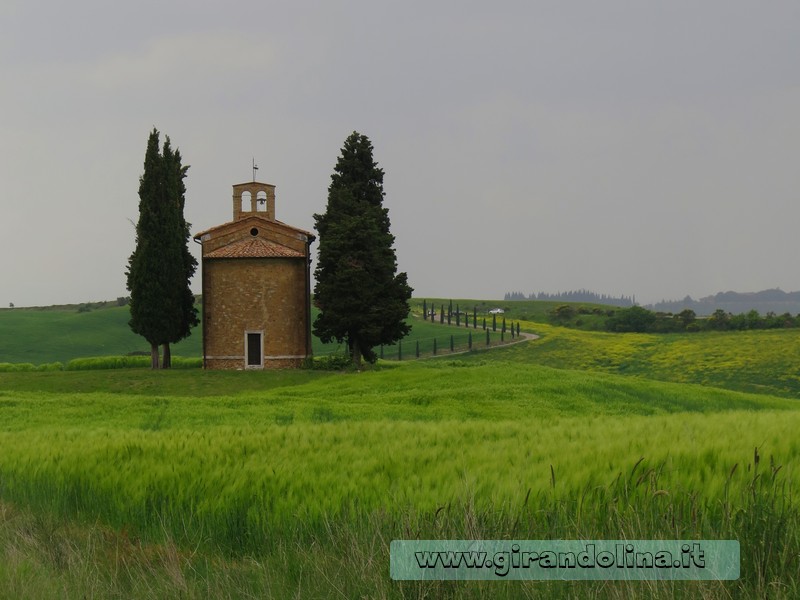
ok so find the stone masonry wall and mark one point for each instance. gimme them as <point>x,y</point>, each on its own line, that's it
<point>259,295</point>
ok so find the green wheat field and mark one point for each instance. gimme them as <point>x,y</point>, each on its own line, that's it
<point>129,483</point>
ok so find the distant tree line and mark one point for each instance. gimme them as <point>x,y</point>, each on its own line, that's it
<point>773,300</point>
<point>575,296</point>
<point>640,320</point>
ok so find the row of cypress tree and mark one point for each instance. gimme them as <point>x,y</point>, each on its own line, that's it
<point>162,304</point>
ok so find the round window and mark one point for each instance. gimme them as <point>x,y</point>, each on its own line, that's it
<point>254,232</point>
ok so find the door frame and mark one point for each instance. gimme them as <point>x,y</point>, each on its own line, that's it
<point>247,334</point>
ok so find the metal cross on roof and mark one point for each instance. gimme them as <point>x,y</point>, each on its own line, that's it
<point>255,168</point>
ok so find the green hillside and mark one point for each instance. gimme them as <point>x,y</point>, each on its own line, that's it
<point>760,361</point>
<point>44,335</point>
<point>203,484</point>
<point>60,334</point>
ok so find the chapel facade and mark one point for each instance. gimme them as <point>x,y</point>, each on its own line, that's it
<point>256,286</point>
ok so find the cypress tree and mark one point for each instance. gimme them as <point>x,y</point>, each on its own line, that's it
<point>159,269</point>
<point>182,265</point>
<point>145,266</point>
<point>361,297</point>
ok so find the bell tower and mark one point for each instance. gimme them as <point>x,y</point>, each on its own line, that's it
<point>256,286</point>
<point>253,198</point>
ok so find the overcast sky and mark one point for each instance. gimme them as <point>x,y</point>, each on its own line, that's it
<point>626,147</point>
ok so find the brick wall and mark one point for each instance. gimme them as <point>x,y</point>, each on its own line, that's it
<point>258,295</point>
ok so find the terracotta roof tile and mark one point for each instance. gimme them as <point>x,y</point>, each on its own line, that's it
<point>254,248</point>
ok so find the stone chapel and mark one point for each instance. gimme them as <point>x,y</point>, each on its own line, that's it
<point>256,286</point>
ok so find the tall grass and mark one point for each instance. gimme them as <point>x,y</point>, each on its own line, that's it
<point>293,483</point>
<point>347,556</point>
<point>101,363</point>
<point>237,470</point>
<point>239,486</point>
<point>128,362</point>
<point>28,367</point>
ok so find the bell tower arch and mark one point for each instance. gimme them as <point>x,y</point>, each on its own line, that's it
<point>253,198</point>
